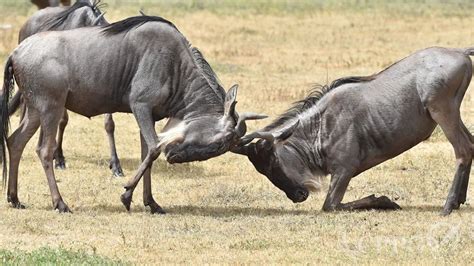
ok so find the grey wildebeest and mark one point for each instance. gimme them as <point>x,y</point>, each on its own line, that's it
<point>356,123</point>
<point>53,3</point>
<point>141,65</point>
<point>82,14</point>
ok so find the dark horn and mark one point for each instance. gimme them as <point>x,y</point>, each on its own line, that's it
<point>241,127</point>
<point>260,135</point>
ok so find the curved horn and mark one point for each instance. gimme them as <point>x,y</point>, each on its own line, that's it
<point>142,13</point>
<point>257,134</point>
<point>231,101</point>
<point>241,127</point>
<point>97,20</point>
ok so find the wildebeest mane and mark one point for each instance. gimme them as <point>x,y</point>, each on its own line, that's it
<point>208,73</point>
<point>131,23</point>
<point>316,93</point>
<point>60,18</point>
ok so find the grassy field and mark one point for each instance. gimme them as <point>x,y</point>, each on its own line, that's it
<point>222,210</point>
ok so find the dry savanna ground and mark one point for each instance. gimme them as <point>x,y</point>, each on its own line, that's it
<point>222,210</point>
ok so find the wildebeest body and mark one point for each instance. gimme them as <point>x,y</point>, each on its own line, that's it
<point>141,65</point>
<point>359,122</point>
<point>111,66</point>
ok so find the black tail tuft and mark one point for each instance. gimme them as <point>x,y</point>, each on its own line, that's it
<point>8,84</point>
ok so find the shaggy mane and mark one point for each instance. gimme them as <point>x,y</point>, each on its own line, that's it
<point>316,94</point>
<point>131,23</point>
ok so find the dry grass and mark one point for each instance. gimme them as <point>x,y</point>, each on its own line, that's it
<point>222,210</point>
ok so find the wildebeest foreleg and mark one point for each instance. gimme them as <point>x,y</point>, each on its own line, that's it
<point>147,128</point>
<point>45,151</point>
<point>114,164</point>
<point>148,199</point>
<point>60,161</point>
<point>337,189</point>
<point>16,144</point>
<point>336,193</point>
<point>369,203</point>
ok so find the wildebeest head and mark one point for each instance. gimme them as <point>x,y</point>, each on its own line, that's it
<point>83,13</point>
<point>202,137</point>
<point>280,163</point>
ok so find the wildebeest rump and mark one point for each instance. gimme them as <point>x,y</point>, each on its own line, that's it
<point>53,3</point>
<point>82,14</point>
<point>141,65</point>
<point>359,122</point>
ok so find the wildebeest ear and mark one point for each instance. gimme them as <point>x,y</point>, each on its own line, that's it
<point>287,132</point>
<point>231,101</point>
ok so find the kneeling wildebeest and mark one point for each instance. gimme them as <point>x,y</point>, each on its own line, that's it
<point>82,14</point>
<point>141,65</point>
<point>358,122</point>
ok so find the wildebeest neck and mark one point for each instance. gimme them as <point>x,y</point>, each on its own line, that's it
<point>198,92</point>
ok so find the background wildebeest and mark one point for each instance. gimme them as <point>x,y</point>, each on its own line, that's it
<point>141,65</point>
<point>82,14</point>
<point>46,3</point>
<point>359,122</point>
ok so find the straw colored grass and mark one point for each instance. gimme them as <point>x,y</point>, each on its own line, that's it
<point>222,210</point>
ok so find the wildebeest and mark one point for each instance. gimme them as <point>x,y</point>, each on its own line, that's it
<point>82,14</point>
<point>356,123</point>
<point>141,65</point>
<point>53,3</point>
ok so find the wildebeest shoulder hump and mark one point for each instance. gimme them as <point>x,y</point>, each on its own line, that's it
<point>128,24</point>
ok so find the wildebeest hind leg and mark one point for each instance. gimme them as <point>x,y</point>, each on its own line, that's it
<point>45,151</point>
<point>16,144</point>
<point>465,183</point>
<point>447,115</point>
<point>114,165</point>
<point>59,160</point>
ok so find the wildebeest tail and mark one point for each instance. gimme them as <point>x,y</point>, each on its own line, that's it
<point>8,84</point>
<point>14,103</point>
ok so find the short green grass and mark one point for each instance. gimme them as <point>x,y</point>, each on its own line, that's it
<point>50,256</point>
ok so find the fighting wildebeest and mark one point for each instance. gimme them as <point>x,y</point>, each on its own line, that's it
<point>141,65</point>
<point>53,3</point>
<point>356,123</point>
<point>82,14</point>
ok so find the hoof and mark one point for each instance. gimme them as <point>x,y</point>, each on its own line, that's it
<point>116,169</point>
<point>61,207</point>
<point>155,208</point>
<point>15,202</point>
<point>126,199</point>
<point>117,172</point>
<point>387,204</point>
<point>60,164</point>
<point>449,207</point>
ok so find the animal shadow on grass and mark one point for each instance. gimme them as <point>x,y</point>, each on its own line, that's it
<point>437,208</point>
<point>160,167</point>
<point>194,210</point>
<point>231,211</point>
